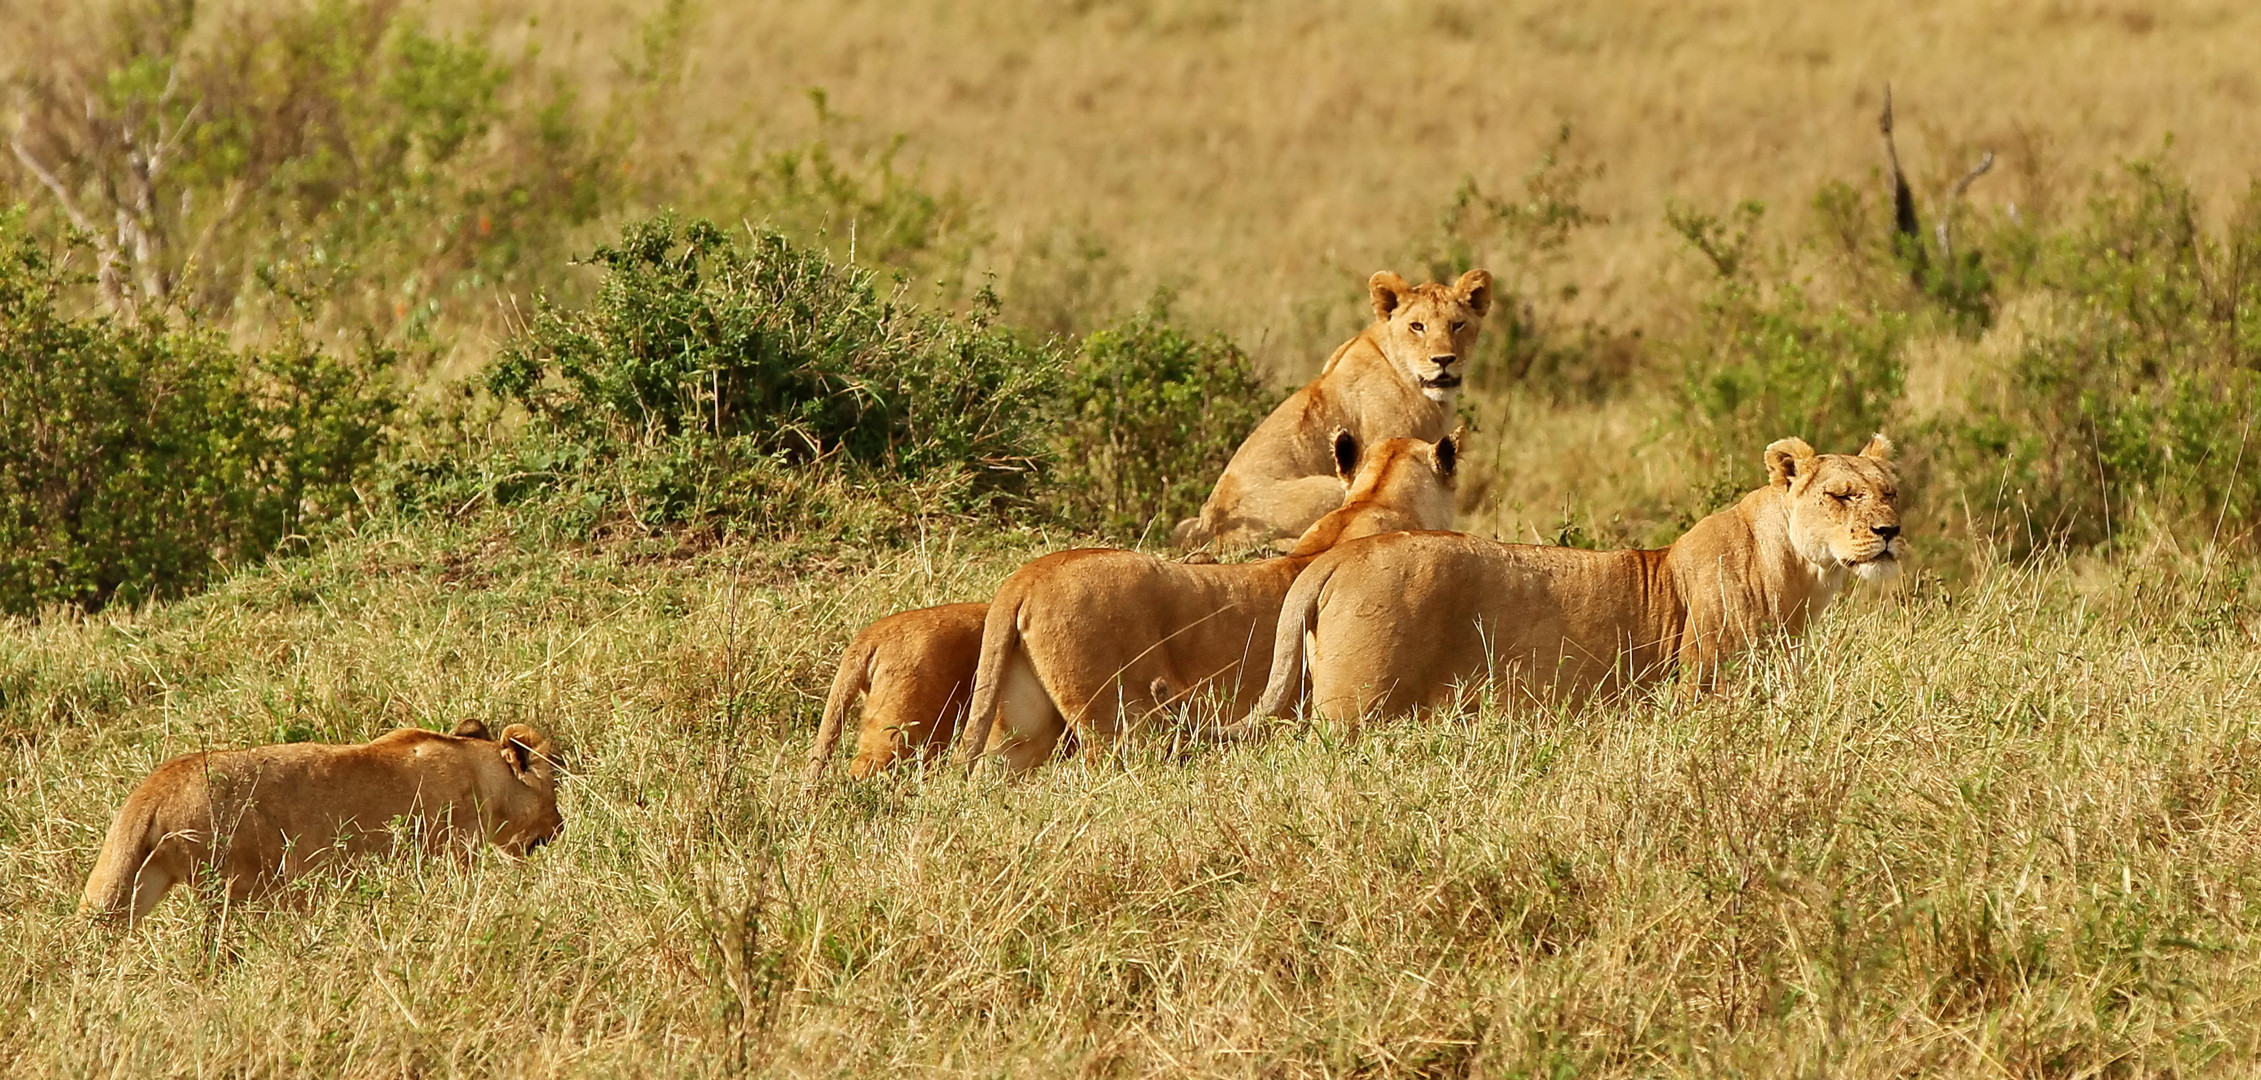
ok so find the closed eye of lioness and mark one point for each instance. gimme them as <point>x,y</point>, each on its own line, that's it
<point>261,816</point>
<point>1396,380</point>
<point>1396,623</point>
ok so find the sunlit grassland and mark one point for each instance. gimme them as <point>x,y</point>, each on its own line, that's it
<point>1997,820</point>
<point>2007,828</point>
<point>1265,157</point>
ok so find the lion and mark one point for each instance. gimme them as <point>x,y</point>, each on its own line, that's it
<point>1396,379</point>
<point>1087,643</point>
<point>915,670</point>
<point>264,815</point>
<point>1408,621</point>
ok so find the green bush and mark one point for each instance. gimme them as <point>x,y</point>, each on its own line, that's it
<point>754,384</point>
<point>1953,288</point>
<point>2133,402</point>
<point>1765,360</point>
<point>1147,418</point>
<point>137,458</point>
<point>711,376</point>
<point>341,148</point>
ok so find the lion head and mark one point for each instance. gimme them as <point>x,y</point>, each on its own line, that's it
<point>1844,508</point>
<point>1428,330</point>
<point>528,817</point>
<point>1398,484</point>
<point>1413,476</point>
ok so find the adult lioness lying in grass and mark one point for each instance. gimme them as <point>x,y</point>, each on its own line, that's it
<point>1394,623</point>
<point>1094,640</point>
<point>261,816</point>
<point>915,670</point>
<point>1396,379</point>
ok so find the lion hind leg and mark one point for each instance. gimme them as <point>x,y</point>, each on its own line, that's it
<point>150,887</point>
<point>890,727</point>
<point>1028,725</point>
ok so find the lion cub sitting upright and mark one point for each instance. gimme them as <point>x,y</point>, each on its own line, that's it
<point>261,816</point>
<point>1396,380</point>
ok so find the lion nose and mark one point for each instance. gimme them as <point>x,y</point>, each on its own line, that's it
<point>1885,531</point>
<point>1444,361</point>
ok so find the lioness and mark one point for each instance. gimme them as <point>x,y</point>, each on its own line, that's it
<point>1093,640</point>
<point>264,815</point>
<point>1400,622</point>
<point>1396,379</point>
<point>915,670</point>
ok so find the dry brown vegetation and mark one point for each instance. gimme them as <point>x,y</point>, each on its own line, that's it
<point>1266,157</point>
<point>1999,821</point>
<point>2008,830</point>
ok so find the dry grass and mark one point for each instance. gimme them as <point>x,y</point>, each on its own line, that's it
<point>2006,828</point>
<point>2007,831</point>
<point>1266,157</point>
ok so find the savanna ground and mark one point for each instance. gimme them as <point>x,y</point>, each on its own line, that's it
<point>1997,820</point>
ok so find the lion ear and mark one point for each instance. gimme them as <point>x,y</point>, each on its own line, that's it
<point>1475,290</point>
<point>1786,460</point>
<point>1878,447</point>
<point>472,728</point>
<point>1448,451</point>
<point>1346,454</point>
<point>522,746</point>
<point>1388,291</point>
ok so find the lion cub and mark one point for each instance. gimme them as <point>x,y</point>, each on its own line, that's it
<point>1395,380</point>
<point>1086,643</point>
<point>915,669</point>
<point>264,815</point>
<point>1392,624</point>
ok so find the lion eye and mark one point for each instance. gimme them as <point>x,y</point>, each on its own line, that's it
<point>1458,325</point>
<point>1841,496</point>
<point>1415,327</point>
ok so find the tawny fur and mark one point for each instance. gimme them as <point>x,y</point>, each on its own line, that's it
<point>1090,642</point>
<point>262,816</point>
<point>1388,625</point>
<point>915,672</point>
<point>1397,379</point>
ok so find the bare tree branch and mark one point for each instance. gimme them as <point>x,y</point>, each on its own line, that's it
<point>1946,244</point>
<point>1977,171</point>
<point>1903,197</point>
<point>48,180</point>
<point>105,248</point>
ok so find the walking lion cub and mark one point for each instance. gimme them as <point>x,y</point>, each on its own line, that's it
<point>262,816</point>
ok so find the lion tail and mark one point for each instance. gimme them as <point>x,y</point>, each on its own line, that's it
<point>1299,613</point>
<point>1000,636</point>
<point>850,682</point>
<point>133,836</point>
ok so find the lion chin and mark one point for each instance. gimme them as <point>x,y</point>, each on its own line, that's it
<point>1878,570</point>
